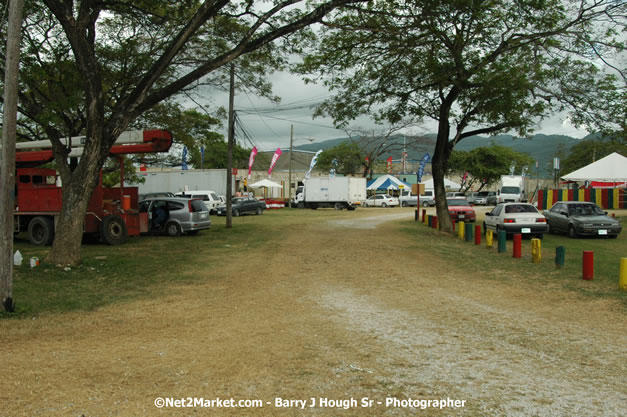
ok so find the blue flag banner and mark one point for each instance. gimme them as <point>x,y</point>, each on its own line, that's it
<point>421,168</point>
<point>313,163</point>
<point>184,161</point>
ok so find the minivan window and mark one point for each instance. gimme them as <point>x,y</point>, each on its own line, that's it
<point>198,205</point>
<point>174,205</point>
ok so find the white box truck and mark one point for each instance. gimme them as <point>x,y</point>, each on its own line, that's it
<point>511,189</point>
<point>338,192</point>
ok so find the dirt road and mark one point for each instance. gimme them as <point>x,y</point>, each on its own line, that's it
<point>333,311</point>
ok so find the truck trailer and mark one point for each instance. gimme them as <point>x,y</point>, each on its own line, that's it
<point>338,192</point>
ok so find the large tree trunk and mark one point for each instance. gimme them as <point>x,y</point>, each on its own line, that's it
<point>78,187</point>
<point>438,167</point>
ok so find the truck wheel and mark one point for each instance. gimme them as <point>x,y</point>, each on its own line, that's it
<point>113,230</point>
<point>300,205</point>
<point>173,229</point>
<point>41,231</point>
<point>425,204</point>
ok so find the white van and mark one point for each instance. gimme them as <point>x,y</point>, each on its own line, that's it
<point>210,198</point>
<point>428,198</point>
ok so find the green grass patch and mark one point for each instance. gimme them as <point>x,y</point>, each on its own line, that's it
<point>503,266</point>
<point>144,266</point>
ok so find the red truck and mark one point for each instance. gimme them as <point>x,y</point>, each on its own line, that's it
<point>112,213</point>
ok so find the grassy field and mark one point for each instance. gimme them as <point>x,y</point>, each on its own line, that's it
<point>607,255</point>
<point>140,268</point>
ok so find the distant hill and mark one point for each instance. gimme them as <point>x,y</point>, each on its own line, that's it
<point>542,148</point>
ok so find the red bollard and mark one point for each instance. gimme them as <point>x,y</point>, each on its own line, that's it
<point>477,235</point>
<point>588,265</point>
<point>453,221</point>
<point>424,214</point>
<point>517,245</point>
<point>435,222</point>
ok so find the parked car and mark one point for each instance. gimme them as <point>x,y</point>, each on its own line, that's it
<point>460,210</point>
<point>381,200</point>
<point>174,215</point>
<point>521,218</point>
<point>480,198</point>
<point>157,194</point>
<point>491,199</point>
<point>210,198</point>
<point>578,218</point>
<point>428,198</point>
<point>243,205</point>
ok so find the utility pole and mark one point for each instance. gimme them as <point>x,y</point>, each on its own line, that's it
<point>7,154</point>
<point>289,176</point>
<point>229,152</point>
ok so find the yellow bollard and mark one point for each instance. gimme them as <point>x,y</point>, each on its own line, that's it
<point>622,280</point>
<point>536,250</point>
<point>425,219</point>
<point>460,230</point>
<point>489,238</point>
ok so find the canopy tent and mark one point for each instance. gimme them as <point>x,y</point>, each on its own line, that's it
<point>447,184</point>
<point>386,182</point>
<point>265,183</point>
<point>610,171</point>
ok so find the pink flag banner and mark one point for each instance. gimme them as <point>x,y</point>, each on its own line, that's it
<point>275,158</point>
<point>251,160</point>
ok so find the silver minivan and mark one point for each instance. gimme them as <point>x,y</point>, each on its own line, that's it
<point>174,216</point>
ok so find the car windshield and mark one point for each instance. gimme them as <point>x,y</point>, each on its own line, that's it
<point>584,210</point>
<point>457,202</point>
<point>237,200</point>
<point>510,190</point>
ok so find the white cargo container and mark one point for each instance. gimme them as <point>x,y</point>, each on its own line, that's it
<point>338,192</point>
<point>184,180</point>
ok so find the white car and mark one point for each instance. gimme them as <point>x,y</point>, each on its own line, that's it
<point>381,200</point>
<point>520,218</point>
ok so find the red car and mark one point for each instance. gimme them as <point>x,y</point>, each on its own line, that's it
<point>460,210</point>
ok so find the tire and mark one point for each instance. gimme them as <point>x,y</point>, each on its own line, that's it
<point>425,204</point>
<point>548,229</point>
<point>485,229</point>
<point>235,213</point>
<point>113,230</point>
<point>41,231</point>
<point>383,205</point>
<point>404,204</point>
<point>258,211</point>
<point>173,229</point>
<point>571,232</point>
<point>300,205</point>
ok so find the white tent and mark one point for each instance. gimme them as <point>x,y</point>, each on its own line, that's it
<point>265,183</point>
<point>611,169</point>
<point>447,184</point>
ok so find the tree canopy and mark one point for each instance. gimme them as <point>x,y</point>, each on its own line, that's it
<point>474,67</point>
<point>92,68</point>
<point>589,150</point>
<point>482,167</point>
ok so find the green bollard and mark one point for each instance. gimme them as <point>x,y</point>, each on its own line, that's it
<point>430,220</point>
<point>502,241</point>
<point>468,232</point>
<point>560,255</point>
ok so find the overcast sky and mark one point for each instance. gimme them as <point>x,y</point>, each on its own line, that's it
<point>269,125</point>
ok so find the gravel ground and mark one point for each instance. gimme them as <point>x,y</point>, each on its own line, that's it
<point>338,310</point>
